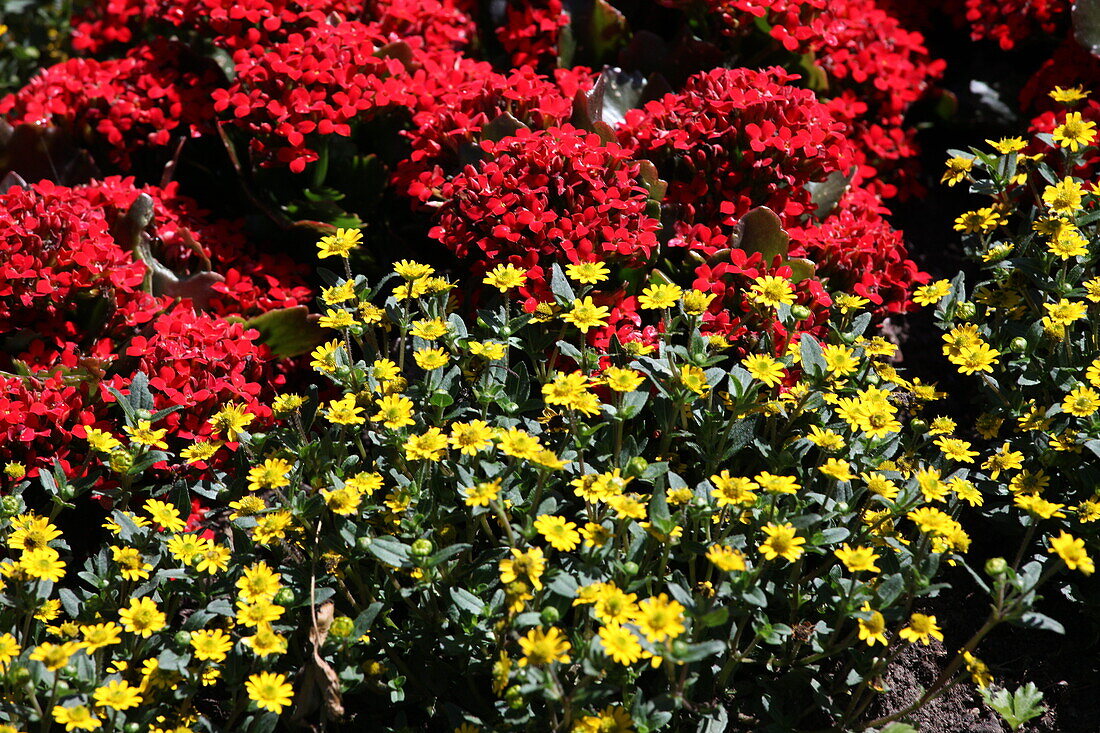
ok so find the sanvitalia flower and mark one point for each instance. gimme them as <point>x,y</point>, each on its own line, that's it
<point>43,563</point>
<point>270,691</point>
<point>872,629</point>
<point>232,419</point>
<point>274,473</point>
<point>344,411</point>
<point>166,515</point>
<point>587,273</point>
<point>100,636</point>
<point>1081,402</point>
<point>483,493</point>
<point>620,644</point>
<point>77,717</point>
<point>921,628</point>
<point>858,559</point>
<point>932,293</point>
<point>54,656</point>
<point>142,617</point>
<point>394,411</point>
<point>771,291</point>
<point>544,647</point>
<point>212,645</point>
<point>656,297</point>
<point>733,490</point>
<point>694,378</point>
<point>1074,132</point>
<point>144,434</point>
<point>660,618</point>
<point>774,484</point>
<point>585,314</point>
<point>782,541</point>
<point>560,533</point>
<point>525,566</point>
<point>1063,197</point>
<point>764,368</point>
<point>1072,552</point>
<point>117,695</point>
<point>469,438</point>
<point>622,380</point>
<point>958,168</point>
<point>339,244</point>
<point>505,277</point>
<point>725,558</point>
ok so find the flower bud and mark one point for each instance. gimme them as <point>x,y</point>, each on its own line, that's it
<point>550,615</point>
<point>1019,344</point>
<point>996,566</point>
<point>10,506</point>
<point>182,638</point>
<point>342,627</point>
<point>800,312</point>
<point>285,597</point>
<point>514,697</point>
<point>631,568</point>
<point>965,310</point>
<point>918,425</point>
<point>421,548</point>
<point>636,466</point>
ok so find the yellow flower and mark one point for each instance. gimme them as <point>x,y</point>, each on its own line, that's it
<point>77,717</point>
<point>271,474</point>
<point>544,647</point>
<point>586,315</point>
<point>394,411</point>
<point>100,636</point>
<point>765,369</point>
<point>1068,95</point>
<point>1007,145</point>
<point>270,691</point>
<point>622,380</point>
<point>54,656</point>
<point>335,318</point>
<point>932,293</point>
<point>1081,402</point>
<point>956,449</point>
<point>620,644</point>
<point>429,446</point>
<point>732,490</point>
<point>232,419</point>
<point>100,440</point>
<point>921,628</point>
<point>561,534</point>
<point>142,617</point>
<point>145,435</point>
<point>840,360</point>
<point>694,378</point>
<point>431,358</point>
<point>519,444</point>
<point>411,270</point>
<point>1074,132</point>
<point>487,349</point>
<point>213,559</point>
<point>338,293</point>
<point>43,563</point>
<point>587,273</point>
<point>771,291</point>
<point>825,439</point>
<point>258,581</point>
<point>339,244</point>
<point>1068,243</point>
<point>979,671</point>
<point>166,515</point>
<point>482,493</point>
<point>505,277</point>
<point>526,566</point>
<point>344,411</point>
<point>9,649</point>
<point>725,558</point>
<point>469,438</point>
<point>958,168</point>
<point>656,297</point>
<point>873,628</point>
<point>837,468</point>
<point>429,329</point>
<point>1064,197</point>
<point>659,618</point>
<point>117,695</point>
<point>782,541</point>
<point>777,484</point>
<point>131,563</point>
<point>212,645</point>
<point>595,535</point>
<point>697,302</point>
<point>858,559</point>
<point>981,220</point>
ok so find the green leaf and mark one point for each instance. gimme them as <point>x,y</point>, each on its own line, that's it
<point>1086,25</point>
<point>390,550</point>
<point>288,331</point>
<point>364,620</point>
<point>467,601</point>
<point>1017,708</point>
<point>140,396</point>
<point>761,230</point>
<point>813,358</point>
<point>559,285</point>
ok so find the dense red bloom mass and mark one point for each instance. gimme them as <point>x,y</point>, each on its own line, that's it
<point>559,194</point>
<point>75,315</point>
<point>157,92</point>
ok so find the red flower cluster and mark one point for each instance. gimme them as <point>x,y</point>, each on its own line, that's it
<point>156,92</point>
<point>531,30</point>
<point>1009,21</point>
<point>738,138</point>
<point>555,195</point>
<point>75,315</point>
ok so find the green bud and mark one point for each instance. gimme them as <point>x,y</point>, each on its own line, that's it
<point>631,568</point>
<point>843,507</point>
<point>19,676</point>
<point>679,648</point>
<point>131,728</point>
<point>800,312</point>
<point>363,543</point>
<point>182,638</point>
<point>965,310</point>
<point>636,466</point>
<point>341,628</point>
<point>143,414</point>
<point>120,461</point>
<point>1019,344</point>
<point>10,506</point>
<point>996,566</point>
<point>550,615</point>
<point>918,425</point>
<point>514,697</point>
<point>284,598</point>
<point>421,548</point>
